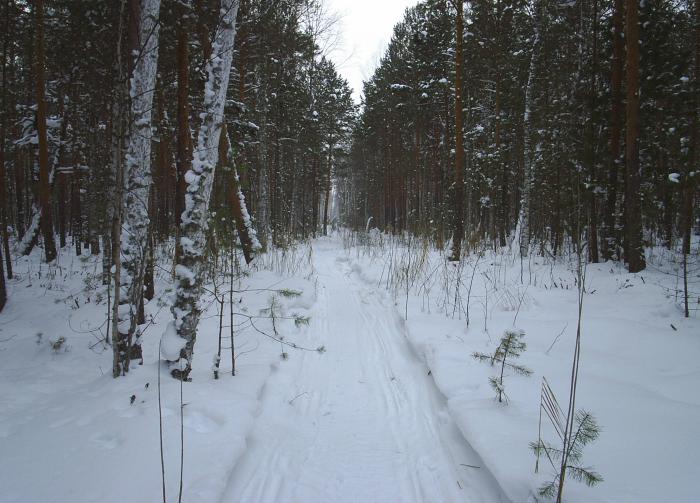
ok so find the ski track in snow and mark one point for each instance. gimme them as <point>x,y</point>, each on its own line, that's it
<point>362,422</point>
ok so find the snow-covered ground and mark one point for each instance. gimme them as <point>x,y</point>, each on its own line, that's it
<point>639,372</point>
<point>394,409</point>
<point>361,422</point>
<point>69,432</point>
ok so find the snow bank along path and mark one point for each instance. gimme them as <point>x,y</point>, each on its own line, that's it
<point>361,422</point>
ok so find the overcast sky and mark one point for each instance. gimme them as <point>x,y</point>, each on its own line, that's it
<point>364,31</point>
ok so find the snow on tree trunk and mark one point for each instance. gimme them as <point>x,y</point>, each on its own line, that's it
<point>528,157</point>
<point>31,235</point>
<point>199,179</point>
<point>246,233</point>
<point>135,221</point>
<point>263,199</point>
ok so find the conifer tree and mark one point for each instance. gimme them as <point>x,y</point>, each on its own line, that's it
<point>511,346</point>
<point>45,220</point>
<point>458,215</point>
<point>564,459</point>
<point>634,248</point>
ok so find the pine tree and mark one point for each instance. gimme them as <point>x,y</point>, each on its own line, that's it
<point>566,458</point>
<point>458,216</point>
<point>45,220</point>
<point>634,248</point>
<point>511,346</point>
<point>528,155</point>
<point>3,287</point>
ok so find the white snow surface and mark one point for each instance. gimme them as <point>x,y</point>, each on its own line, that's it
<point>171,343</point>
<point>394,410</point>
<point>362,422</point>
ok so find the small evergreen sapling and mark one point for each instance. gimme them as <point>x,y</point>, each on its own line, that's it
<point>510,347</point>
<point>565,458</point>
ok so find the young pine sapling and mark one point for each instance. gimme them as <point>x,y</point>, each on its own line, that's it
<point>569,454</point>
<point>274,312</point>
<point>510,347</point>
<point>575,428</point>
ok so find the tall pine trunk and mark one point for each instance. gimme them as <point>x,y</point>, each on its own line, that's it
<point>458,217</point>
<point>3,207</point>
<point>3,133</point>
<point>633,213</point>
<point>3,287</point>
<point>199,178</point>
<point>528,157</point>
<point>137,166</point>
<point>592,147</point>
<point>45,220</point>
<point>328,187</point>
<point>610,244</point>
<point>689,183</point>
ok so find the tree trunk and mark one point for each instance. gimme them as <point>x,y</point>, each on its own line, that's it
<point>689,182</point>
<point>3,288</point>
<point>111,245</point>
<point>137,165</point>
<point>149,286</point>
<point>62,209</point>
<point>3,133</point>
<point>527,137</point>
<point>31,234</point>
<point>592,158</point>
<point>610,244</point>
<point>45,220</point>
<point>458,217</point>
<point>184,135</point>
<point>633,214</point>
<point>328,187</point>
<point>314,195</point>
<point>246,232</point>
<point>200,178</point>
<point>76,212</point>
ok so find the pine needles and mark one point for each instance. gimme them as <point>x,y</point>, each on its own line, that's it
<point>575,428</point>
<point>570,454</point>
<point>510,347</point>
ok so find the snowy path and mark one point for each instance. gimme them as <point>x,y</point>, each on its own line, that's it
<point>362,422</point>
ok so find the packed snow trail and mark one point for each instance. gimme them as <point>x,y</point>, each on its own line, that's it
<point>362,422</point>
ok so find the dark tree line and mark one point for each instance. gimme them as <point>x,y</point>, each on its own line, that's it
<point>578,122</point>
<point>79,104</point>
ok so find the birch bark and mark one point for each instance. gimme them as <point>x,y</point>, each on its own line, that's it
<point>199,179</point>
<point>137,166</point>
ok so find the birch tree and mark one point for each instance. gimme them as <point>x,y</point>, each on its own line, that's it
<point>181,333</point>
<point>137,166</point>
